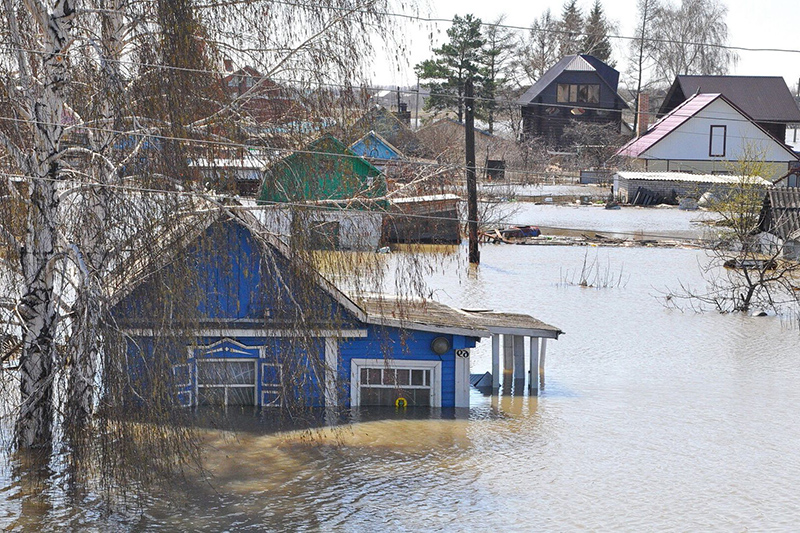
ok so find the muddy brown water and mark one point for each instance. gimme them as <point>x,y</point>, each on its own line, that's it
<point>650,419</point>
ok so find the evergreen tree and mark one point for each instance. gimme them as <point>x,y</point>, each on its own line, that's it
<point>595,40</point>
<point>571,28</point>
<point>496,57</point>
<point>455,61</point>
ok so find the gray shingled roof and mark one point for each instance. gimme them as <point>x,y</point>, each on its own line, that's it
<point>429,315</point>
<point>424,315</point>
<point>514,323</point>
<point>764,98</point>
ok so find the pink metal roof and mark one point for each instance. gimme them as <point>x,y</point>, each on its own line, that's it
<point>668,124</point>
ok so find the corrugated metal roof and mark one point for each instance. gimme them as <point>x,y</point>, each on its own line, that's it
<point>579,64</point>
<point>781,213</point>
<point>427,198</point>
<point>721,179</point>
<point>669,123</point>
<point>764,98</point>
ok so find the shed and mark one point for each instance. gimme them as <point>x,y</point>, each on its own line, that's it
<point>780,221</point>
<point>430,218</point>
<point>667,187</point>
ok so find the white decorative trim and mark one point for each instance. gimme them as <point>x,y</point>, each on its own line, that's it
<point>434,366</point>
<point>462,378</point>
<point>331,370</point>
<point>342,333</point>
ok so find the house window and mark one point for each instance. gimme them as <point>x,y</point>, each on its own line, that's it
<point>495,169</point>
<point>588,93</point>
<point>226,381</point>
<point>716,143</point>
<point>271,384</point>
<point>383,382</point>
<point>792,180</point>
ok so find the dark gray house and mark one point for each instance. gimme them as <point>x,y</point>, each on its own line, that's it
<point>766,99</point>
<point>579,88</point>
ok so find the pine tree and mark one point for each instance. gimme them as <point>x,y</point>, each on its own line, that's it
<point>455,61</point>
<point>496,57</point>
<point>595,40</point>
<point>571,28</point>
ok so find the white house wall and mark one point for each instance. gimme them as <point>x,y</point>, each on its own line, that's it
<point>687,147</point>
<point>358,230</point>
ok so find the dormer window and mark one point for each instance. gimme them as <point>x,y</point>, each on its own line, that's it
<point>578,93</point>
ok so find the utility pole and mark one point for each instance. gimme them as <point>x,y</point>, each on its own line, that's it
<point>416,107</point>
<point>472,188</point>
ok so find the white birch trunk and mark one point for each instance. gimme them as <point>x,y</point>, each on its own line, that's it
<point>34,425</point>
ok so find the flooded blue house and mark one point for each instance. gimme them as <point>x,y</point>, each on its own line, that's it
<point>230,316</point>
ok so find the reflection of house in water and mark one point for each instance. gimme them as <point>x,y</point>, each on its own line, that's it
<point>229,315</point>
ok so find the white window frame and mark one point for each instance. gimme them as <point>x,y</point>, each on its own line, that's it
<point>395,364</point>
<point>272,387</point>
<point>227,386</point>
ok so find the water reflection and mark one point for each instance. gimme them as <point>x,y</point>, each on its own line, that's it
<point>651,419</point>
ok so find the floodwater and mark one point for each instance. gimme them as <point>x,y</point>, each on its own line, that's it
<point>650,419</point>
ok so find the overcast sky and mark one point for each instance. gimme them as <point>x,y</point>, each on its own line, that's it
<point>751,24</point>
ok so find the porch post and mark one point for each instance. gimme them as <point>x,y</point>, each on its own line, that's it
<point>534,356</point>
<point>542,355</point>
<point>495,361</point>
<point>508,356</point>
<point>519,357</point>
<point>331,370</point>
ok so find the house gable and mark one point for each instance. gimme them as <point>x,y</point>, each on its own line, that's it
<point>227,279</point>
<point>373,146</point>
<point>713,131</point>
<point>324,170</point>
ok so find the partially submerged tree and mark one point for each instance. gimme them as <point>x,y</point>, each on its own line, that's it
<point>104,102</point>
<point>743,273</point>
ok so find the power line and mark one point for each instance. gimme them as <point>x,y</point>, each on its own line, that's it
<point>269,205</point>
<point>420,18</point>
<point>290,151</point>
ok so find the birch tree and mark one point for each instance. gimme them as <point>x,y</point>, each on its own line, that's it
<point>103,103</point>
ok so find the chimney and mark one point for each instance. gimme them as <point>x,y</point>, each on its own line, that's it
<point>403,114</point>
<point>643,120</point>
